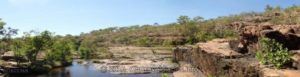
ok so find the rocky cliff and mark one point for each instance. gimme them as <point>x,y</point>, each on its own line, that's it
<point>215,58</point>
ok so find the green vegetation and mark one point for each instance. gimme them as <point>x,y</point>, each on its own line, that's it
<point>61,51</point>
<point>94,47</point>
<point>42,47</point>
<point>185,31</point>
<point>209,75</point>
<point>5,35</point>
<point>164,75</point>
<point>287,16</point>
<point>273,53</point>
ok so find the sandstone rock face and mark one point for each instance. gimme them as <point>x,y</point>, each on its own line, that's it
<point>285,34</point>
<point>8,55</point>
<point>219,46</point>
<point>267,72</point>
<point>187,70</point>
<point>215,58</point>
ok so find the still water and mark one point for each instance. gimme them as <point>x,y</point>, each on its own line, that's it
<point>78,70</point>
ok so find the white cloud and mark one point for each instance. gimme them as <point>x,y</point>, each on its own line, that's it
<point>21,3</point>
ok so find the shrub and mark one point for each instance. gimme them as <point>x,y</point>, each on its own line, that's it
<point>167,43</point>
<point>164,75</point>
<point>61,51</point>
<point>85,52</point>
<point>143,41</point>
<point>273,53</point>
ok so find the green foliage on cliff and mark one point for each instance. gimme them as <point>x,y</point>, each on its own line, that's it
<point>273,53</point>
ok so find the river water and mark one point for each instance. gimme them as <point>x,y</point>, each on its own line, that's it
<point>88,70</point>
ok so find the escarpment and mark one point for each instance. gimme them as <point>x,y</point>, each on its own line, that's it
<point>236,57</point>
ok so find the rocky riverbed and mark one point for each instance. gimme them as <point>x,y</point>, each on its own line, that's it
<point>136,60</point>
<point>127,61</point>
<point>131,66</point>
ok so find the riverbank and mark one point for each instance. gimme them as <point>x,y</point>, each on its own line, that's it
<point>127,61</point>
<point>12,68</point>
<point>138,60</point>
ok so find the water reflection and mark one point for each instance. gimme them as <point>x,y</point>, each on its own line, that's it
<point>87,70</point>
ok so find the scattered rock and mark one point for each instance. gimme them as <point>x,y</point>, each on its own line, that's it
<point>136,67</point>
<point>82,62</point>
<point>137,60</point>
<point>267,72</point>
<point>98,62</point>
<point>8,55</point>
<point>187,70</point>
<point>79,61</point>
<point>296,58</point>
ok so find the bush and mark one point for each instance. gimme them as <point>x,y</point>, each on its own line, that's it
<point>143,41</point>
<point>61,51</point>
<point>167,43</point>
<point>164,75</point>
<point>85,52</point>
<point>273,53</point>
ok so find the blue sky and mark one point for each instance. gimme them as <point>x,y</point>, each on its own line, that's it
<point>76,16</point>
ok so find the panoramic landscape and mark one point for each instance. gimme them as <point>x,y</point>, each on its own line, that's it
<point>154,38</point>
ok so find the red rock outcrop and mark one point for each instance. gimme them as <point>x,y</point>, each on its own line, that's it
<point>284,34</point>
<point>215,58</point>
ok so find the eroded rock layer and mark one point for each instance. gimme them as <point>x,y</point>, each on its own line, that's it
<point>215,58</point>
<point>250,34</point>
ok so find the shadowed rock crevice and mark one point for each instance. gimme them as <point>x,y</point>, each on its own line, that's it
<point>249,36</point>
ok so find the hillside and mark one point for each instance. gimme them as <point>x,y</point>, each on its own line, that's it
<point>191,30</point>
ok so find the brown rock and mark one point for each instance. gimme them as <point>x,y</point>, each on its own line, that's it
<point>286,31</point>
<point>286,35</point>
<point>8,55</point>
<point>215,58</point>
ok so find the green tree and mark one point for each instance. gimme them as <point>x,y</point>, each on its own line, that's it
<point>35,44</point>
<point>5,36</point>
<point>268,8</point>
<point>183,20</point>
<point>19,50</point>
<point>61,50</point>
<point>2,23</point>
<point>198,19</point>
<point>85,52</point>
